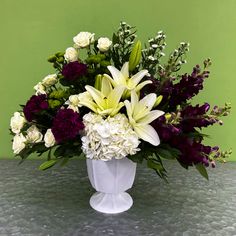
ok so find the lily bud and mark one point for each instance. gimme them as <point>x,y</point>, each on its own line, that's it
<point>135,55</point>
<point>98,82</point>
<point>158,101</point>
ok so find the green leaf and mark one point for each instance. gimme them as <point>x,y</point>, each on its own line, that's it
<point>115,39</point>
<point>167,152</point>
<point>202,170</point>
<point>64,161</point>
<point>154,162</point>
<point>47,164</point>
<point>138,157</point>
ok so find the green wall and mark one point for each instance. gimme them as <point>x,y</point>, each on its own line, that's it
<point>32,30</point>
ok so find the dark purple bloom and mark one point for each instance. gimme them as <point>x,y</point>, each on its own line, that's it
<point>35,105</point>
<point>192,150</point>
<point>165,131</point>
<point>66,125</point>
<point>195,117</point>
<point>188,86</point>
<point>74,70</point>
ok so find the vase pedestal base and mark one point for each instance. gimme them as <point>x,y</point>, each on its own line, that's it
<point>111,203</point>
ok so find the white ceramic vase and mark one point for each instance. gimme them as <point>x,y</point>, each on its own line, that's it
<point>111,179</point>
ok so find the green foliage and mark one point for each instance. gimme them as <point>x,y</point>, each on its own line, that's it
<point>68,150</point>
<point>165,151</point>
<point>48,164</point>
<point>154,162</point>
<point>39,148</point>
<point>202,170</point>
<point>122,41</point>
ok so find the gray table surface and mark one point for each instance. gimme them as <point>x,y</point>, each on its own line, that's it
<point>55,202</point>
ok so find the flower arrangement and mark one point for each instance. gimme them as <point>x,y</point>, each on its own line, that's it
<point>119,100</point>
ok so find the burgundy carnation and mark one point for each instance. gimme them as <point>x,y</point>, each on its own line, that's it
<point>66,125</point>
<point>35,105</point>
<point>74,70</point>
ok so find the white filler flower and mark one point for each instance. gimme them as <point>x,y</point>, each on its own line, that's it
<point>49,138</point>
<point>71,54</point>
<point>33,135</point>
<point>83,39</point>
<point>17,122</point>
<point>18,143</point>
<point>108,138</point>
<point>104,44</point>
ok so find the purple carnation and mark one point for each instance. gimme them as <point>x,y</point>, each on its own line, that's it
<point>35,105</point>
<point>74,70</point>
<point>66,125</point>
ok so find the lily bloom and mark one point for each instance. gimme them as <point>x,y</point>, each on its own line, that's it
<point>106,101</point>
<point>122,78</point>
<point>140,114</point>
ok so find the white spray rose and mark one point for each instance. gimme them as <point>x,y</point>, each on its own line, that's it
<point>75,100</point>
<point>17,122</point>
<point>71,54</point>
<point>49,80</point>
<point>18,143</point>
<point>40,89</point>
<point>49,138</point>
<point>33,135</point>
<point>104,44</point>
<point>83,39</point>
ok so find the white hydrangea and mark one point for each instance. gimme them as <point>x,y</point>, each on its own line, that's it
<point>108,138</point>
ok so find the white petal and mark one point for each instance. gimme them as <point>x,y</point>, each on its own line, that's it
<point>106,87</point>
<point>125,70</point>
<point>91,105</point>
<point>144,106</point>
<point>148,134</point>
<point>110,79</point>
<point>117,75</point>
<point>151,116</point>
<point>137,77</point>
<point>134,99</point>
<point>141,85</point>
<point>115,96</point>
<point>96,95</point>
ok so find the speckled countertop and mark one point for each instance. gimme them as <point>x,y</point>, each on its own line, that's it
<point>55,202</point>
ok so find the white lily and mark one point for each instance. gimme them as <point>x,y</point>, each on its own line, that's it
<point>106,101</point>
<point>140,115</point>
<point>122,78</point>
